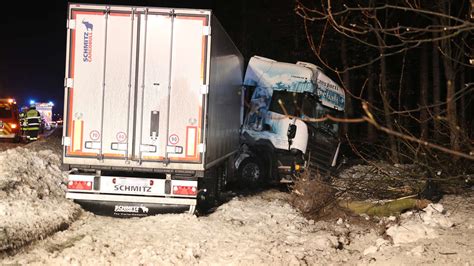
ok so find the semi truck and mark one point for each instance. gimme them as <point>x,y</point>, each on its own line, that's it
<point>152,108</point>
<point>283,134</point>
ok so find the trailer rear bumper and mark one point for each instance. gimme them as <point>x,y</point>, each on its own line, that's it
<point>132,206</point>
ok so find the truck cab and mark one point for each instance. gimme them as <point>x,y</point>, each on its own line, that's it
<point>9,120</point>
<point>280,136</point>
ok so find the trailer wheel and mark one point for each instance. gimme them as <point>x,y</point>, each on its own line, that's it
<point>251,173</point>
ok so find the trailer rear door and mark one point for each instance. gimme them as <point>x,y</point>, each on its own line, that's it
<point>136,84</point>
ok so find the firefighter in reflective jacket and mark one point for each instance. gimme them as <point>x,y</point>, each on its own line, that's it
<point>23,121</point>
<point>32,123</point>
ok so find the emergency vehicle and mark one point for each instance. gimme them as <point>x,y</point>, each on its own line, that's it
<point>9,120</point>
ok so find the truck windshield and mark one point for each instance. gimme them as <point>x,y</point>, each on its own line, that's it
<point>291,101</point>
<point>312,108</point>
<point>305,105</point>
<point>5,112</point>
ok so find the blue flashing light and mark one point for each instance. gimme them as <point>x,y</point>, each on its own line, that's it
<point>32,101</point>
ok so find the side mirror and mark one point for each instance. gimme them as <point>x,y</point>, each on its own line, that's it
<point>291,132</point>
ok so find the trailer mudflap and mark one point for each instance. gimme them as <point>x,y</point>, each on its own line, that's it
<point>132,206</point>
<point>128,209</point>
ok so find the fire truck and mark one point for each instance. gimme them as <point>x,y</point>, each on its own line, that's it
<point>9,120</point>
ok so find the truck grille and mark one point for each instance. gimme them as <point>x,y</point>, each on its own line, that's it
<point>321,154</point>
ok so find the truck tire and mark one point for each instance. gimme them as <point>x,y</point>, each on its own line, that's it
<point>251,173</point>
<point>214,185</point>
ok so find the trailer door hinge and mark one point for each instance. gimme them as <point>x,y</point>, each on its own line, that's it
<point>206,30</point>
<point>66,141</point>
<point>172,13</point>
<point>202,147</point>
<point>71,24</point>
<point>68,82</point>
<point>204,89</point>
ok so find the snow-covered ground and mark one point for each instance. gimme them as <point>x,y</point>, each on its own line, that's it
<point>44,141</point>
<point>258,229</point>
<point>32,203</point>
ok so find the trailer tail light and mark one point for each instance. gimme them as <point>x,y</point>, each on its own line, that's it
<point>185,190</point>
<point>79,185</point>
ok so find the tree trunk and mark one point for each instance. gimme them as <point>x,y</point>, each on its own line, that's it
<point>386,109</point>
<point>462,107</point>
<point>371,132</point>
<point>450,75</point>
<point>450,67</point>
<point>386,103</point>
<point>384,93</point>
<point>386,209</point>
<point>424,93</point>
<point>346,80</point>
<point>451,110</point>
<point>436,92</point>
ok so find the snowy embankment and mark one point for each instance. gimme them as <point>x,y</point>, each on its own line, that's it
<point>258,229</point>
<point>255,230</point>
<point>32,203</point>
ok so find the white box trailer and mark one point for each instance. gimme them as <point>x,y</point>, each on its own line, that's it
<point>152,106</point>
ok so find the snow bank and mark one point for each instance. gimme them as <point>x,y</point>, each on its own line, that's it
<point>421,226</point>
<point>32,203</point>
<point>253,230</point>
<point>413,227</point>
<point>410,231</point>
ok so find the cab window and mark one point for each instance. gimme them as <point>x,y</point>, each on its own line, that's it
<point>291,102</point>
<point>312,108</point>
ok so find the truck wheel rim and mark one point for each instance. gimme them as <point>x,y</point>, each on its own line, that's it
<point>251,171</point>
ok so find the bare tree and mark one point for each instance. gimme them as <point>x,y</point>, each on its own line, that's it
<point>347,84</point>
<point>436,91</point>
<point>424,83</point>
<point>388,29</point>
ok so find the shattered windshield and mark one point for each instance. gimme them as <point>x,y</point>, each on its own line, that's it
<point>313,108</point>
<point>291,101</point>
<point>305,105</point>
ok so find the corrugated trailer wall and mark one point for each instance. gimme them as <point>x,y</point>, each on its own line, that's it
<point>226,78</point>
<point>148,87</point>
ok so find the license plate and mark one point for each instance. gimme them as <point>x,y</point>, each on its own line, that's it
<point>132,181</point>
<point>130,185</point>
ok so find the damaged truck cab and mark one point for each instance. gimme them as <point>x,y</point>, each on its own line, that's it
<point>279,135</point>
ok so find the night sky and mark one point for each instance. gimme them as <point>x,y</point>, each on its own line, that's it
<point>32,54</point>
